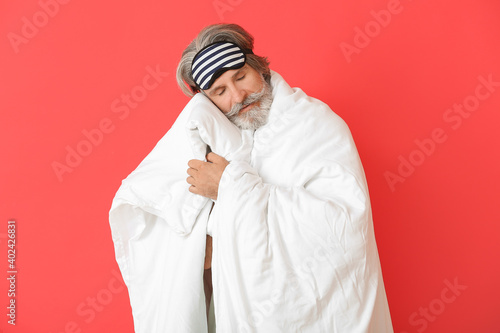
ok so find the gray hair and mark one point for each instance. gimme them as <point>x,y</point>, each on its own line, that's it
<point>212,34</point>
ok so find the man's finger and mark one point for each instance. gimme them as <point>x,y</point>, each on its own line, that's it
<point>193,189</point>
<point>213,157</point>
<point>194,164</point>
<point>191,172</point>
<point>190,180</point>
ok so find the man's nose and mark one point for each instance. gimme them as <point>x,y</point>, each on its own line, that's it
<point>239,96</point>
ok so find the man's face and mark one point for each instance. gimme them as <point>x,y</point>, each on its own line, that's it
<point>243,96</point>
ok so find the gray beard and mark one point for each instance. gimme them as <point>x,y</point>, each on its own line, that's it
<point>257,116</point>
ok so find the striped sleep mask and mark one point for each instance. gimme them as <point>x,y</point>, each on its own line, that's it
<point>215,59</point>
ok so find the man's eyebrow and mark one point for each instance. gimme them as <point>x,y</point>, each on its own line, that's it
<point>213,90</point>
<point>238,72</point>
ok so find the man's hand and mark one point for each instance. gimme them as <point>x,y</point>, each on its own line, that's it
<point>204,177</point>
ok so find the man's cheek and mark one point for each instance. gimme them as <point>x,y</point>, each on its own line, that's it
<point>224,106</point>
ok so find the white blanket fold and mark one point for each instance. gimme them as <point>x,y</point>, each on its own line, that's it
<point>159,227</point>
<point>293,242</point>
<point>294,248</point>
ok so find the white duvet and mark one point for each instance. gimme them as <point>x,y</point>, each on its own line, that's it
<point>293,242</point>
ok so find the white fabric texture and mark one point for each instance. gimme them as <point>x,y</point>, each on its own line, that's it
<point>293,242</point>
<point>159,228</point>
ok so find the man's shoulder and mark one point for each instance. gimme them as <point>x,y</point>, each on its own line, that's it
<point>319,112</point>
<point>294,102</point>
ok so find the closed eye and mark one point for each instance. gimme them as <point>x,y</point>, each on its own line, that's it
<point>240,78</point>
<point>221,92</point>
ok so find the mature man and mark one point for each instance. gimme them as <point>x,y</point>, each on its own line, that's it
<point>297,215</point>
<point>281,192</point>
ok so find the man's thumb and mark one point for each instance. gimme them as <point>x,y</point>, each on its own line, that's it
<point>213,157</point>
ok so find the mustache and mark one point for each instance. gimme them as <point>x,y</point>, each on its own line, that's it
<point>252,98</point>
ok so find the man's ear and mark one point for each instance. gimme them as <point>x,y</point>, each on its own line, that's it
<point>195,89</point>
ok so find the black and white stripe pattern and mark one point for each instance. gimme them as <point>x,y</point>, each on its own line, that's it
<point>213,60</point>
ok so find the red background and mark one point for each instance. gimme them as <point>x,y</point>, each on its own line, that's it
<point>441,223</point>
